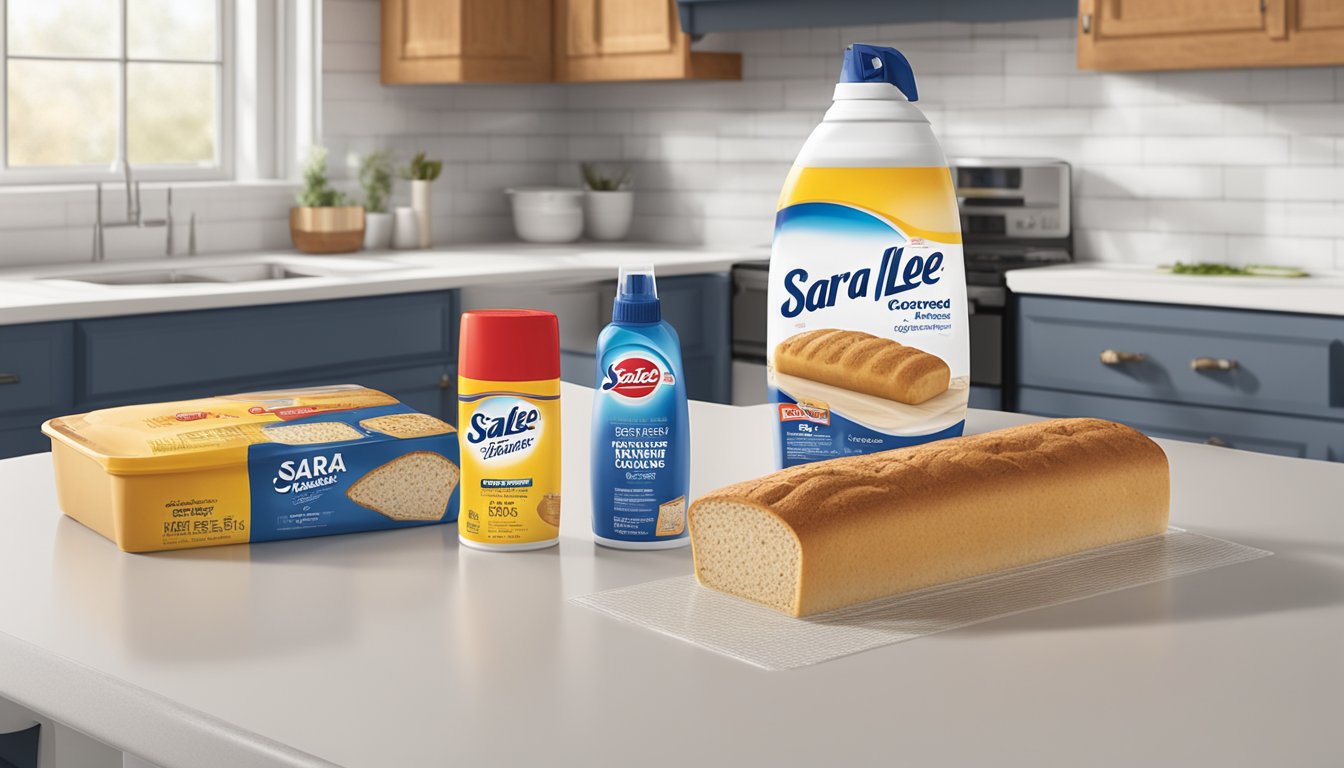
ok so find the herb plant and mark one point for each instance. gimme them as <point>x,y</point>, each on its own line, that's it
<point>375,176</point>
<point>317,191</point>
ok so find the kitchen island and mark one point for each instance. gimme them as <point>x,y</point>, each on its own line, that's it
<point>403,649</point>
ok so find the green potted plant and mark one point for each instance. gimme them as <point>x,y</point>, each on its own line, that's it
<point>608,201</point>
<point>421,173</point>
<point>322,222</point>
<point>375,176</point>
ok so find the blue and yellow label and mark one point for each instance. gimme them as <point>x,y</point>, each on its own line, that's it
<point>510,443</point>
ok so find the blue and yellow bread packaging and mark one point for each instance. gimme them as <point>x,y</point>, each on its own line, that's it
<point>260,466</point>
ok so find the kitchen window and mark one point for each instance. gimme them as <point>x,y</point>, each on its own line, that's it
<point>90,84</point>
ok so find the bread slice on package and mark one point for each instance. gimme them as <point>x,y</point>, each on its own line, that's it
<point>862,362</point>
<point>413,487</point>
<point>407,425</point>
<point>312,433</point>
<point>831,534</point>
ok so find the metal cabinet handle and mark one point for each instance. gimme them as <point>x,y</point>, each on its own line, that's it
<point>1218,442</point>
<point>1212,364</point>
<point>445,381</point>
<point>1087,23</point>
<point>9,378</point>
<point>1116,357</point>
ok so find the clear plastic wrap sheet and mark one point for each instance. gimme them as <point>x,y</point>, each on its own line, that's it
<point>765,638</point>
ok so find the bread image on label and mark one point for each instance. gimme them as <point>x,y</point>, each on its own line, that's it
<point>671,517</point>
<point>311,434</point>
<point>862,362</point>
<point>413,487</point>
<point>826,535</point>
<point>406,425</point>
<point>548,509</point>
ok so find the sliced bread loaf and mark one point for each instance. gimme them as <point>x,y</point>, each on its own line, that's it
<point>825,535</point>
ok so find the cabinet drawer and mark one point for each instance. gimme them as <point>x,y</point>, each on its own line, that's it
<point>1265,433</point>
<point>1272,362</point>
<point>21,441</point>
<point>163,357</point>
<point>35,372</point>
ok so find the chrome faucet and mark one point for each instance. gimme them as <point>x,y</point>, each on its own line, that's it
<point>133,215</point>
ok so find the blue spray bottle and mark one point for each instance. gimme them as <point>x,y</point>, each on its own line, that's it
<point>641,431</point>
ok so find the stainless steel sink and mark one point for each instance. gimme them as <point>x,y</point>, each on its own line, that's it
<point>231,273</point>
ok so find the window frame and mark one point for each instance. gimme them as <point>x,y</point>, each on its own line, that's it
<point>222,169</point>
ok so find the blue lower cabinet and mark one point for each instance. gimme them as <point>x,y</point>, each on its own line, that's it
<point>578,367</point>
<point>150,358</point>
<point>1266,433</point>
<point>405,345</point>
<point>1271,382</point>
<point>988,398</point>
<point>1256,361</point>
<point>19,749</point>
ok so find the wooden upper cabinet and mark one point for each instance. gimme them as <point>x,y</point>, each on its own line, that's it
<point>461,41</point>
<point>606,40</point>
<point>1209,34</point>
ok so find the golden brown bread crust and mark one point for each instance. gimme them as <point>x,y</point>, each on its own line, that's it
<point>861,362</point>
<point>884,523</point>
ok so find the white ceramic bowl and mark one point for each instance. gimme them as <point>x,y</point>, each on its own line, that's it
<point>547,214</point>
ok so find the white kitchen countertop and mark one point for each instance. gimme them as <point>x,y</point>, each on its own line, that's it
<point>401,648</point>
<point>39,294</point>
<point>1315,295</point>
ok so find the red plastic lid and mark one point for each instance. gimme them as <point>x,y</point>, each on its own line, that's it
<point>509,345</point>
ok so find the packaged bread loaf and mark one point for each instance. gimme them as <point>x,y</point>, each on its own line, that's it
<point>254,467</point>
<point>826,535</point>
<point>864,363</point>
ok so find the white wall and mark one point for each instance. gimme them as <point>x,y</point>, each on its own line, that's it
<point>1235,165</point>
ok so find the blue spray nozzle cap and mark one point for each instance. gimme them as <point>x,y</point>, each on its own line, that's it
<point>636,296</point>
<point>879,64</point>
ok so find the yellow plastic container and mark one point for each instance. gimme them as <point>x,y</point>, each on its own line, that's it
<point>254,467</point>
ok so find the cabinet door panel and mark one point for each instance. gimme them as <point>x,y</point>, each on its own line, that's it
<point>613,40</point>
<point>35,372</point>
<point>456,41</point>
<point>1155,35</point>
<point>1320,14</point>
<point>1125,18</point>
<point>1292,364</point>
<point>431,28</point>
<point>1263,433</point>
<point>165,357</point>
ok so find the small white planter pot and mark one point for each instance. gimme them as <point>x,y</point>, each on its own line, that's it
<point>547,214</point>
<point>377,231</point>
<point>422,204</point>
<point>406,228</point>
<point>607,215</point>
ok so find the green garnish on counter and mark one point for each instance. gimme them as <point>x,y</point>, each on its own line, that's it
<point>1250,270</point>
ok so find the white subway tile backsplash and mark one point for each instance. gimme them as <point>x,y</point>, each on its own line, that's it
<point>351,57</point>
<point>1111,213</point>
<point>1305,118</point>
<point>1186,119</point>
<point>1148,247</point>
<point>1285,183</point>
<point>1038,62</point>
<point>1313,150</point>
<point>1215,150</point>
<point>1035,91</point>
<point>348,20</point>
<point>1311,254</point>
<point>1298,84</point>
